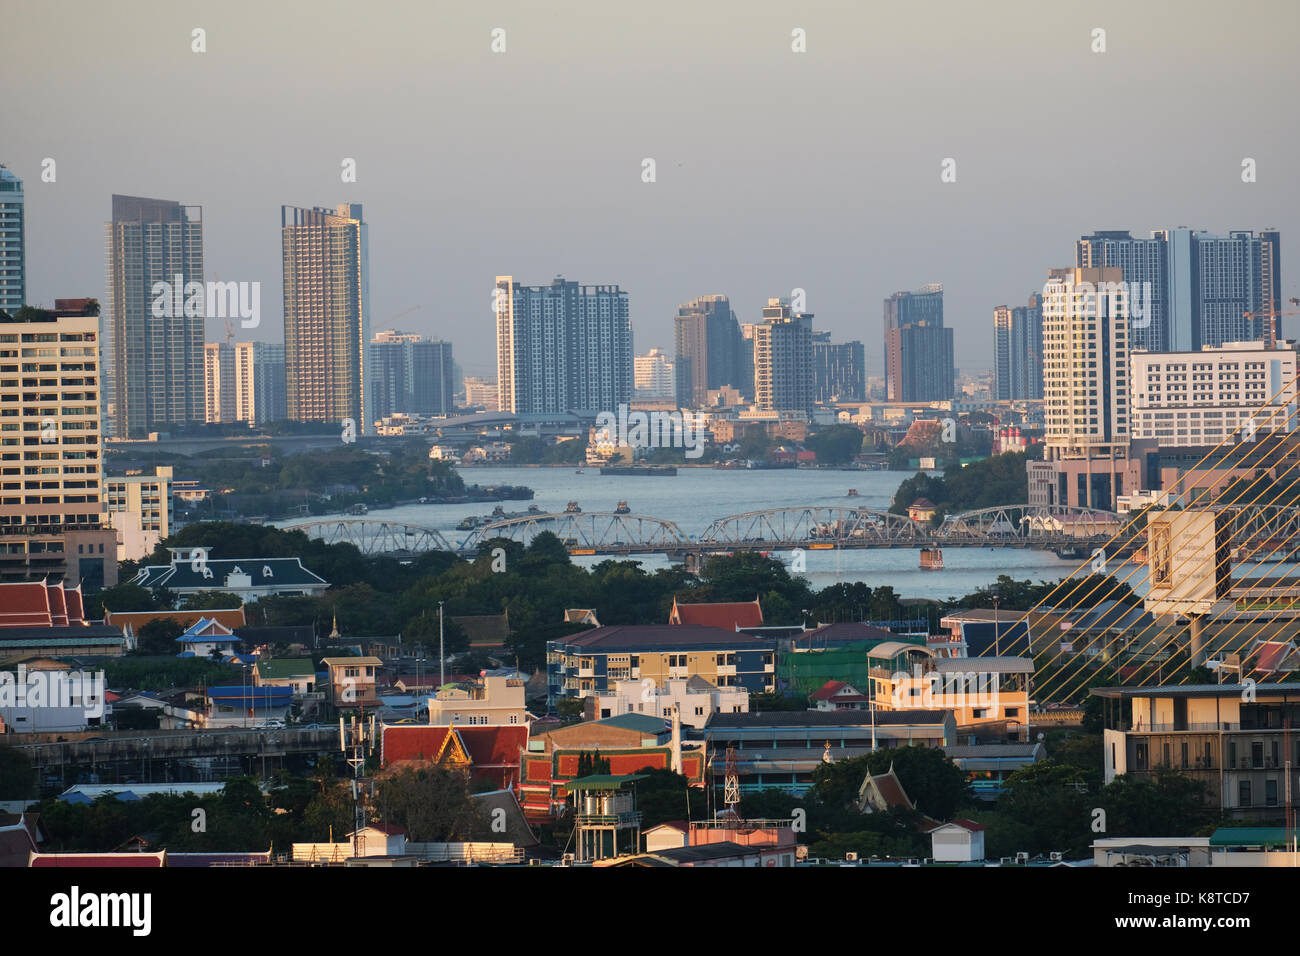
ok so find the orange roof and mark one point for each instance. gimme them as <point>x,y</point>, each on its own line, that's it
<point>231,618</point>
<point>25,604</point>
<point>728,615</point>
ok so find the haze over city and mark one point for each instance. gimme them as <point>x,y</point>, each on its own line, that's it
<point>775,170</point>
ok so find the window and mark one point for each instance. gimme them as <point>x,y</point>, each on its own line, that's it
<point>1270,792</point>
<point>699,711</point>
<point>1243,793</point>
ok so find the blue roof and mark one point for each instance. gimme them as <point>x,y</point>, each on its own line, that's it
<point>266,696</point>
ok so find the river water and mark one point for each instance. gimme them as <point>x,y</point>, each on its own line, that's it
<point>696,496</point>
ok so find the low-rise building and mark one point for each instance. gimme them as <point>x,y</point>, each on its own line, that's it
<point>589,663</point>
<point>1239,746</point>
<point>352,680</point>
<point>193,569</point>
<point>490,700</point>
<point>694,697</point>
<point>205,636</point>
<point>296,673</point>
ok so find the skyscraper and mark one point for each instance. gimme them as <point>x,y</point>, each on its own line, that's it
<point>13,252</point>
<point>919,364</point>
<point>153,341</point>
<point>52,511</point>
<point>218,382</point>
<point>1143,265</point>
<point>326,313</point>
<point>411,374</point>
<point>1086,391</point>
<point>655,377</point>
<point>563,347</point>
<point>1198,289</point>
<point>1018,351</point>
<point>839,370</point>
<point>259,383</point>
<point>783,359</point>
<point>708,345</point>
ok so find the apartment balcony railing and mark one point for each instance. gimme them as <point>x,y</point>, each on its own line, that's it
<point>1171,728</point>
<point>632,819</point>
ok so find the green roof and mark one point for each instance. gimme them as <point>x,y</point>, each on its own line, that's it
<point>1249,836</point>
<point>639,722</point>
<point>284,667</point>
<point>602,781</point>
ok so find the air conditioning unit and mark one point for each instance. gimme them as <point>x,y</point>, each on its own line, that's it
<point>566,860</point>
<point>1022,857</point>
<point>851,857</point>
<point>534,862</point>
<point>1056,857</point>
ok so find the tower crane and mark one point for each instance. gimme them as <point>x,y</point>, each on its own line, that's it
<point>1271,329</point>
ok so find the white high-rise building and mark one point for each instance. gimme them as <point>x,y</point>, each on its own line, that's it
<point>1184,399</point>
<point>564,347</point>
<point>13,256</point>
<point>655,377</point>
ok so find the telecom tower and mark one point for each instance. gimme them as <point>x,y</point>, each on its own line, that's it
<point>359,737</point>
<point>731,790</point>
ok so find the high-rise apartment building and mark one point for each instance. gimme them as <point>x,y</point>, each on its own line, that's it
<point>919,365</point>
<point>219,382</point>
<point>410,374</point>
<point>326,313</point>
<point>564,347</point>
<point>783,359</point>
<point>709,349</point>
<point>1018,351</point>
<point>655,377</point>
<point>1196,288</point>
<point>1234,392</point>
<point>1086,392</point>
<point>13,252</point>
<point>260,383</point>
<point>140,511</point>
<point>52,513</point>
<point>839,370</point>
<point>153,333</point>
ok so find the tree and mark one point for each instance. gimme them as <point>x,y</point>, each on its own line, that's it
<point>836,445</point>
<point>433,805</point>
<point>210,601</point>
<point>17,777</point>
<point>159,636</point>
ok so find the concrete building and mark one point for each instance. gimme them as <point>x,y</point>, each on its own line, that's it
<point>326,264</point>
<point>410,374</point>
<point>783,359</point>
<point>655,377</point>
<point>13,243</point>
<point>481,394</point>
<point>919,365</point>
<point>591,662</point>
<point>260,383</point>
<point>710,350</point>
<point>494,700</point>
<point>218,382</point>
<point>695,698</point>
<point>153,334</point>
<point>1242,750</point>
<point>562,348</point>
<point>140,511</point>
<point>1018,351</point>
<point>1086,392</point>
<point>1183,399</point>
<point>839,370</point>
<point>52,511</point>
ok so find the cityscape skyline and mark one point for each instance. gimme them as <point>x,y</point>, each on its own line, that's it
<point>918,228</point>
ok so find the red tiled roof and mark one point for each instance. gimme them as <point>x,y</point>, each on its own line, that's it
<point>76,608</point>
<point>1271,654</point>
<point>969,824</point>
<point>25,604</point>
<point>493,751</point>
<point>390,829</point>
<point>230,617</point>
<point>16,846</point>
<point>827,690</point>
<point>728,615</point>
<point>58,607</point>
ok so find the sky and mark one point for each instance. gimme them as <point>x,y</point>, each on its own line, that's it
<point>774,169</point>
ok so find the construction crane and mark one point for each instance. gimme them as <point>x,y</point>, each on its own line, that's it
<point>1271,328</point>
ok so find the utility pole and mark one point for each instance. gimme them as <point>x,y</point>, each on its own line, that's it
<point>360,737</point>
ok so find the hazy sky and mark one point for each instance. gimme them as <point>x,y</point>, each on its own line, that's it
<point>775,169</point>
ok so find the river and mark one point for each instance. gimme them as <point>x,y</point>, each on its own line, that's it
<point>696,496</point>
